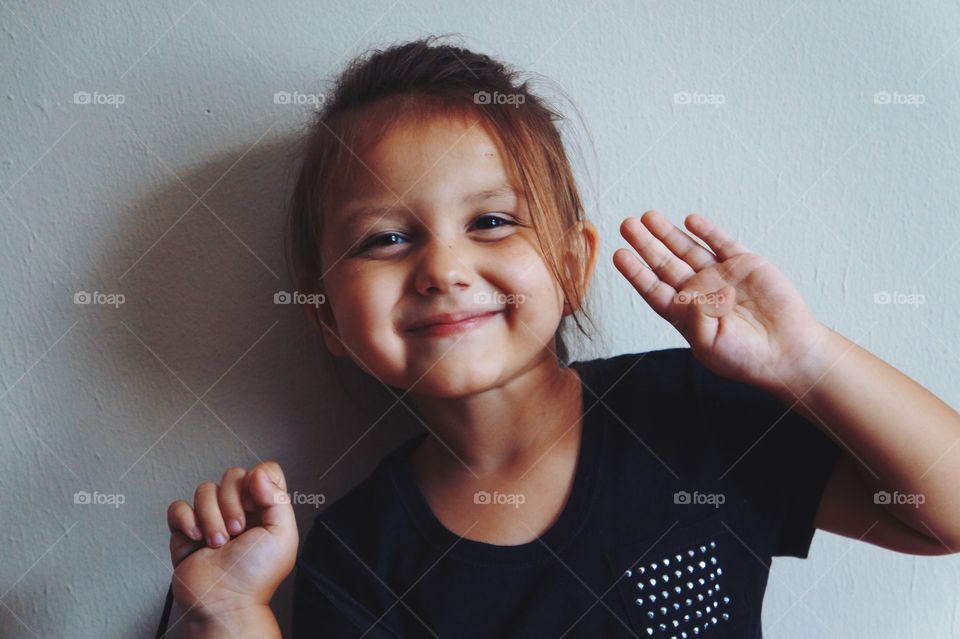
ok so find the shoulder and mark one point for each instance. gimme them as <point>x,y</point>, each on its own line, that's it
<point>656,370</point>
<point>642,385</point>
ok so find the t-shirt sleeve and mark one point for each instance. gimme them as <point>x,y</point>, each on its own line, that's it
<point>780,459</point>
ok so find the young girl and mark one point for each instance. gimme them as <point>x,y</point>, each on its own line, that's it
<point>642,495</point>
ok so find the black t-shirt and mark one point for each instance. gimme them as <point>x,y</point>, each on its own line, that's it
<point>687,484</point>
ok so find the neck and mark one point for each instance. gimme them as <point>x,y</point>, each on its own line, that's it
<point>506,427</point>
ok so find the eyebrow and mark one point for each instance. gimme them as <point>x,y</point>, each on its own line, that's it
<point>469,198</point>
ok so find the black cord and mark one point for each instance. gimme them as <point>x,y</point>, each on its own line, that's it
<point>165,617</point>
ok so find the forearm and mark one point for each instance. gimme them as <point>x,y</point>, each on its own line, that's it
<point>904,438</point>
<point>247,623</point>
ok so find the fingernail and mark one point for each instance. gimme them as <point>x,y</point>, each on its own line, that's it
<point>218,540</point>
<point>195,534</point>
<point>234,526</point>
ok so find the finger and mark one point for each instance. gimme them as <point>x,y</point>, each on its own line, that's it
<point>654,291</point>
<point>208,513</point>
<point>268,489</point>
<point>228,497</point>
<point>185,535</point>
<point>180,517</point>
<point>668,267</point>
<point>716,238</point>
<point>679,243</point>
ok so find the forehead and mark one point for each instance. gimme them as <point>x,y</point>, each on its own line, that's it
<point>452,154</point>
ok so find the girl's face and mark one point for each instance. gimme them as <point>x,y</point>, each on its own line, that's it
<point>436,229</point>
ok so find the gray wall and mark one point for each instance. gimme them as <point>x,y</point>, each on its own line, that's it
<point>785,140</point>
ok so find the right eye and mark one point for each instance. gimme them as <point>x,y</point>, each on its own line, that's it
<point>377,241</point>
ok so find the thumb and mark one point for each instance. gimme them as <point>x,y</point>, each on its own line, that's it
<point>269,494</point>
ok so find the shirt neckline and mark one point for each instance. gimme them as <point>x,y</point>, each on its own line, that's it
<point>552,541</point>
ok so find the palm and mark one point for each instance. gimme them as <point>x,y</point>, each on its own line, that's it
<point>749,323</point>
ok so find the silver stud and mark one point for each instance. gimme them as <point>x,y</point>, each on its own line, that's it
<point>713,544</point>
<point>650,631</point>
<point>677,557</point>
<point>703,549</point>
<point>651,614</point>
<point>725,616</point>
<point>628,574</point>
<point>677,589</point>
<point>666,561</point>
<point>640,585</point>
<point>713,560</point>
<point>726,600</point>
<point>719,571</point>
<point>639,601</point>
<point>663,610</point>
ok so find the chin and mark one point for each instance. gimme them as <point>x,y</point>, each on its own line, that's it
<point>455,376</point>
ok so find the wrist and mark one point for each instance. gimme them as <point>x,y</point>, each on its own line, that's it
<point>807,370</point>
<point>235,622</point>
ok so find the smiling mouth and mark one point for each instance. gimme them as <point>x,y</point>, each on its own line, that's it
<point>445,329</point>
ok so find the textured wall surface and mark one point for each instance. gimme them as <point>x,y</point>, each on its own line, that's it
<point>143,155</point>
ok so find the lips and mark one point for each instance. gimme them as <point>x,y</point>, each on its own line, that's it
<point>451,320</point>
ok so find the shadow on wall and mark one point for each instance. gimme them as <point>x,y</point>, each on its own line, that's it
<point>238,378</point>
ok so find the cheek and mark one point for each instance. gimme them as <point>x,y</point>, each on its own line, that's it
<point>535,298</point>
<point>364,302</point>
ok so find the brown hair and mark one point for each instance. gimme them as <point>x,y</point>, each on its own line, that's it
<point>416,80</point>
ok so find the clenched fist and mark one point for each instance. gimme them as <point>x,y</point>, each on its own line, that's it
<point>234,546</point>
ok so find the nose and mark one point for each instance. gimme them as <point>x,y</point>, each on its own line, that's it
<point>440,269</point>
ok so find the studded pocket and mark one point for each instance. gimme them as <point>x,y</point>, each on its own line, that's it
<point>676,585</point>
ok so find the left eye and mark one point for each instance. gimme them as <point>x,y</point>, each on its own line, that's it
<point>489,217</point>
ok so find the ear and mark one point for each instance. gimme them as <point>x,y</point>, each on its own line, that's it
<point>321,316</point>
<point>587,243</point>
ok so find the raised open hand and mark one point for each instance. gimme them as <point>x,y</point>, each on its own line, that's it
<point>741,316</point>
